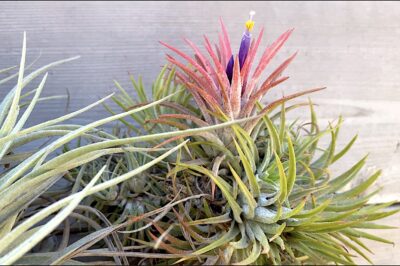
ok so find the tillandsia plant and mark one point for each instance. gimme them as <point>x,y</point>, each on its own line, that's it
<point>206,173</point>
<point>265,192</point>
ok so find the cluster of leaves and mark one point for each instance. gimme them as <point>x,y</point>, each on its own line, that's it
<point>201,172</point>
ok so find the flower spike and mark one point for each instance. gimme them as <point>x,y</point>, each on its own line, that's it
<point>244,46</point>
<point>246,40</point>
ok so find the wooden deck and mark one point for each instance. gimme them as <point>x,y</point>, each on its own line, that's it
<point>350,47</point>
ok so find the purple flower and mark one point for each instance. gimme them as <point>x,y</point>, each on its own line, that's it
<point>229,69</point>
<point>244,47</point>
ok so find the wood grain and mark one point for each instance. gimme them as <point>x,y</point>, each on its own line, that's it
<point>350,47</point>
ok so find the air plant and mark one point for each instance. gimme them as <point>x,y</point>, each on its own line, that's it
<point>205,173</point>
<point>267,193</point>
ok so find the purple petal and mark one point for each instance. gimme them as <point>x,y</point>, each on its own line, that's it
<point>229,69</point>
<point>244,48</point>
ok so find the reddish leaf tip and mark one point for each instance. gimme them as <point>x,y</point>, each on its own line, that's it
<point>164,44</point>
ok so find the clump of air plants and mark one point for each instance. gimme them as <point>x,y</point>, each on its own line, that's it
<point>264,190</point>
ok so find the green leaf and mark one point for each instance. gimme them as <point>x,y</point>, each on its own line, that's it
<point>261,237</point>
<point>294,211</point>
<point>346,205</point>
<point>326,227</point>
<point>250,142</point>
<point>282,124</point>
<point>246,193</point>
<point>22,120</point>
<point>225,238</point>
<point>127,98</point>
<point>367,225</point>
<point>283,185</point>
<point>375,216</point>
<point>360,188</point>
<point>350,245</point>
<point>273,134</point>
<point>313,212</point>
<point>267,216</point>
<point>344,150</point>
<point>226,189</point>
<point>255,189</point>
<point>279,231</point>
<point>243,242</point>
<point>336,216</point>
<point>7,69</point>
<point>212,220</point>
<point>275,255</point>
<point>358,233</point>
<point>314,121</point>
<point>309,141</point>
<point>326,158</point>
<point>14,108</point>
<point>139,89</point>
<point>344,178</point>
<point>248,154</point>
<point>291,178</point>
<point>252,257</point>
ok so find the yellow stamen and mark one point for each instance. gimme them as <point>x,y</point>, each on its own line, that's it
<point>250,23</point>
